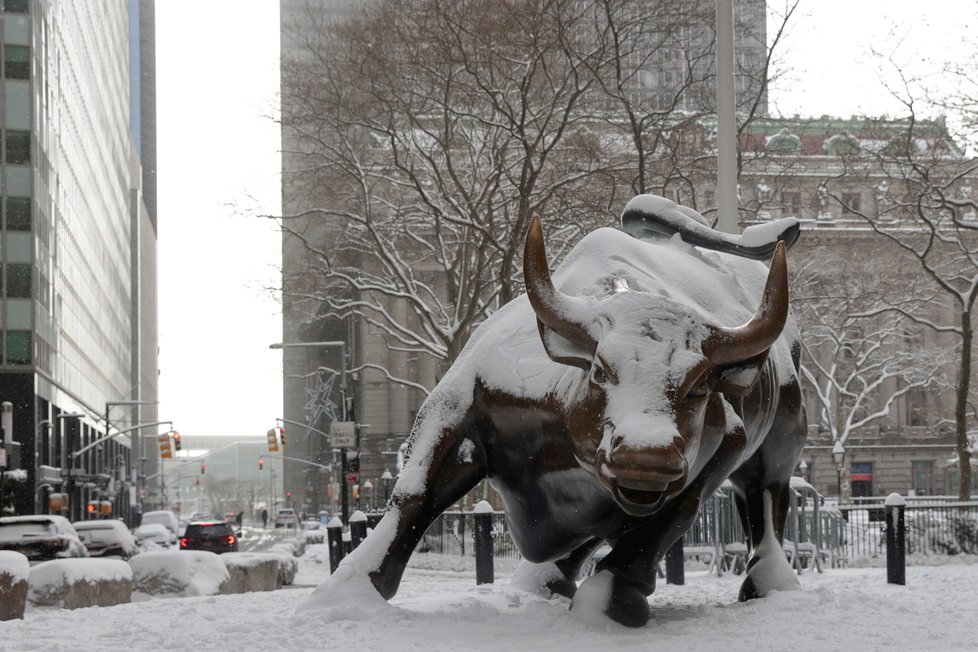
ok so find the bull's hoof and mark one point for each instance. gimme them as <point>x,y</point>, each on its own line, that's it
<point>562,586</point>
<point>766,574</point>
<point>606,596</point>
<point>748,591</point>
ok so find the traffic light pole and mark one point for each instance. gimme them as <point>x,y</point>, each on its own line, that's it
<point>345,500</point>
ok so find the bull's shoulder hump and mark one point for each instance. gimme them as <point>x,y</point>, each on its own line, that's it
<point>711,281</point>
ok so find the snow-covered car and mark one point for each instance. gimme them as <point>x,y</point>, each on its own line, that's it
<point>41,537</point>
<point>107,538</point>
<point>163,517</point>
<point>154,535</point>
<point>314,531</point>
<point>287,518</point>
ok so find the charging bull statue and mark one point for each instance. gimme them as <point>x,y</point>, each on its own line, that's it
<point>604,406</point>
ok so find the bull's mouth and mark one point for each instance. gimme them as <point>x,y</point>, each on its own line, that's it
<point>637,494</point>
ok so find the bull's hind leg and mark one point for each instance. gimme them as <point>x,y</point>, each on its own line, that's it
<point>762,493</point>
<point>763,511</point>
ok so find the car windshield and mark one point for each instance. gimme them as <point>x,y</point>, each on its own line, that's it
<point>13,531</point>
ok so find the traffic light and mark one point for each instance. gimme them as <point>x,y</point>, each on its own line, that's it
<point>261,464</point>
<point>176,441</point>
<point>281,433</point>
<point>165,451</point>
<point>92,507</point>
<point>203,468</point>
<point>272,440</point>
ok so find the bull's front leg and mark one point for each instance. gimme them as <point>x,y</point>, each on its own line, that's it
<point>626,577</point>
<point>445,460</point>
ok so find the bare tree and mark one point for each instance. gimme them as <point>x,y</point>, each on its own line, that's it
<point>928,214</point>
<point>427,134</point>
<point>859,363</point>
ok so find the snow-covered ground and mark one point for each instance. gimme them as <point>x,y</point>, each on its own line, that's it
<point>439,607</point>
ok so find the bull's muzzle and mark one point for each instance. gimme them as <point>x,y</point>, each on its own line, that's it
<point>642,478</point>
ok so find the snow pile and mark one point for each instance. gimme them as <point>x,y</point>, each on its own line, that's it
<point>15,566</point>
<point>74,583</point>
<point>439,607</point>
<point>178,573</point>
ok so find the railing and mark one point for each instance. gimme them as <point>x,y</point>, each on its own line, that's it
<point>933,527</point>
<point>453,532</point>
<point>816,533</point>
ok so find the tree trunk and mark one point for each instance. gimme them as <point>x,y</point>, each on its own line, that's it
<point>961,407</point>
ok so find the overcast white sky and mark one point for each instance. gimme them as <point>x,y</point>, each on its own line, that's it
<point>217,74</point>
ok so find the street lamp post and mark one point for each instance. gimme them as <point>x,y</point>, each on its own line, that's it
<point>341,345</point>
<point>839,456</point>
<point>70,463</point>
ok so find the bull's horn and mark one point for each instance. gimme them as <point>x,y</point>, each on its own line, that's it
<point>727,345</point>
<point>552,307</point>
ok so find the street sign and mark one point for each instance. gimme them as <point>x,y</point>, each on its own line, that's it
<point>343,434</point>
<point>75,472</point>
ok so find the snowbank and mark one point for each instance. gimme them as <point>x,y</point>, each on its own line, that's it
<point>14,573</point>
<point>78,583</point>
<point>178,573</point>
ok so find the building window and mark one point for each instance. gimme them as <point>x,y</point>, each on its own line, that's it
<point>923,477</point>
<point>916,407</point>
<point>851,203</point>
<point>18,213</point>
<point>791,203</point>
<point>18,347</point>
<point>861,479</point>
<point>18,280</point>
<point>17,6</point>
<point>16,62</point>
<point>18,148</point>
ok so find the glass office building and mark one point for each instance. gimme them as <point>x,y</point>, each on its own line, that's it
<point>78,244</point>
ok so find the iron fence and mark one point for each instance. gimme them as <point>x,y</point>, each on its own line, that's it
<point>453,533</point>
<point>817,534</point>
<point>933,527</point>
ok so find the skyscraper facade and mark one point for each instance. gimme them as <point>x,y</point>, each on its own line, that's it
<point>78,231</point>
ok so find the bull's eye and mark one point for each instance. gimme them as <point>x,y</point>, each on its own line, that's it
<point>699,390</point>
<point>598,376</point>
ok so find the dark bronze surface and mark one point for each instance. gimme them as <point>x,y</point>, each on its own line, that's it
<point>572,474</point>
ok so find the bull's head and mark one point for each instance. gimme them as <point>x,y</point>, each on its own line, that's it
<point>655,372</point>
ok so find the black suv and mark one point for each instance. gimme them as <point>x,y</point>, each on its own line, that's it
<point>216,536</point>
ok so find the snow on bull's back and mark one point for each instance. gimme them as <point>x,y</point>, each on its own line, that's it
<point>720,288</point>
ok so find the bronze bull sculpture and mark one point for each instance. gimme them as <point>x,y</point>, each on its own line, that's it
<point>603,406</point>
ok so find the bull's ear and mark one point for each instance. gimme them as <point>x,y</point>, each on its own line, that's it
<point>739,378</point>
<point>564,351</point>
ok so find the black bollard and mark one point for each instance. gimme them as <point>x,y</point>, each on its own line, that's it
<point>676,564</point>
<point>334,535</point>
<point>358,528</point>
<point>896,540</point>
<point>373,520</point>
<point>483,543</point>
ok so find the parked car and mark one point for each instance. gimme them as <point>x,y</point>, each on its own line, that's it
<point>107,538</point>
<point>40,537</point>
<point>164,517</point>
<point>154,535</point>
<point>314,531</point>
<point>287,518</point>
<point>215,536</point>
